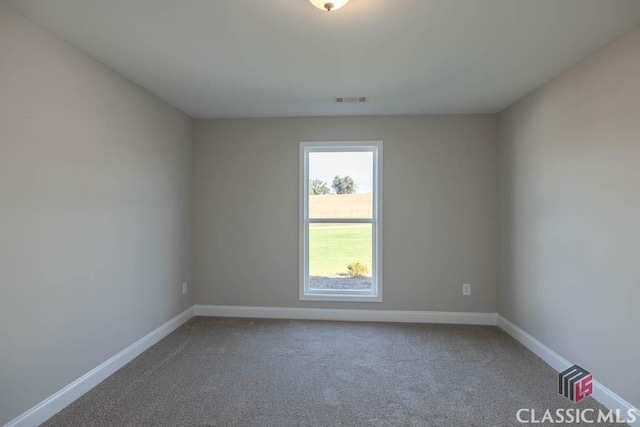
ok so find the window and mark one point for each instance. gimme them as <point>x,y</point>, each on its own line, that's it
<point>340,221</point>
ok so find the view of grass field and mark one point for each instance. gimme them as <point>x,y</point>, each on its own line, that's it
<point>332,247</point>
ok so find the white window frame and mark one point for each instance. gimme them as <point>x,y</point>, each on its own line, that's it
<point>375,294</point>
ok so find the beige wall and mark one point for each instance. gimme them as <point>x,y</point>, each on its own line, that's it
<point>570,215</point>
<point>95,178</point>
<point>440,207</point>
<point>95,214</point>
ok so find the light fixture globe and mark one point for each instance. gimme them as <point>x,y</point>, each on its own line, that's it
<point>328,5</point>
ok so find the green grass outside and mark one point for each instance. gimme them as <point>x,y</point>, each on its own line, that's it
<point>333,247</point>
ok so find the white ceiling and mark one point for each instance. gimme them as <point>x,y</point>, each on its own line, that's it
<point>252,58</point>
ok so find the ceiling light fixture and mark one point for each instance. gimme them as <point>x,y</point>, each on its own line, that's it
<point>328,5</point>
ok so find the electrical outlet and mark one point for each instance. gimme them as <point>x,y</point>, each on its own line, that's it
<point>184,288</point>
<point>466,289</point>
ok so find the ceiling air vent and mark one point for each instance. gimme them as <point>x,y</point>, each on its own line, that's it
<point>351,99</point>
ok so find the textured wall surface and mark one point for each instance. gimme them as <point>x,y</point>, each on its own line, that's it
<point>440,207</point>
<point>95,213</point>
<point>570,215</point>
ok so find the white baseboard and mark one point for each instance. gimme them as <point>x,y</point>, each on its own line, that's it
<point>552,358</point>
<point>356,315</point>
<point>602,394</point>
<point>61,399</point>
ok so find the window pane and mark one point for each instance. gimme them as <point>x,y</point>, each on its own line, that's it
<point>340,185</point>
<point>333,248</point>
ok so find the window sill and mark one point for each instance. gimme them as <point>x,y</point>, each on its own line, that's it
<point>341,298</point>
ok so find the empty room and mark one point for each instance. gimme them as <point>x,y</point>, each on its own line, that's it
<point>319,213</point>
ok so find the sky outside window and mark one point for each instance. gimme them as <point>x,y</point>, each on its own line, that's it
<point>357,165</point>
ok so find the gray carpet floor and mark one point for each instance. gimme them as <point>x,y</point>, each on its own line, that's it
<point>246,372</point>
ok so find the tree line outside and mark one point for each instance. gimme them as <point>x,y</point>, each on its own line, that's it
<point>340,185</point>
